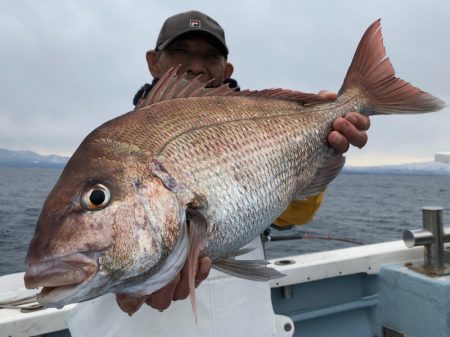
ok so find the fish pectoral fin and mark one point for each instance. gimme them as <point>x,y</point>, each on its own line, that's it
<point>197,238</point>
<point>255,270</point>
<point>323,177</point>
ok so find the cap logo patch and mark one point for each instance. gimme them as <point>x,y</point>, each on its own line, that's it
<point>194,23</point>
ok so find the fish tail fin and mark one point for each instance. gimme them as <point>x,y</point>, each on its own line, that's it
<point>372,75</point>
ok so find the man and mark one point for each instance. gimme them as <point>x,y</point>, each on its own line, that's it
<point>197,42</point>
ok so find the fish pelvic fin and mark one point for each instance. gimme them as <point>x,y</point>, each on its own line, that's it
<point>254,270</point>
<point>371,73</point>
<point>197,239</point>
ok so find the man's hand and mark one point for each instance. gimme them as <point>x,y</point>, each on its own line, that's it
<point>177,289</point>
<point>347,130</point>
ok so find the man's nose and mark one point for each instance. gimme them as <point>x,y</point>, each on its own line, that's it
<point>195,66</point>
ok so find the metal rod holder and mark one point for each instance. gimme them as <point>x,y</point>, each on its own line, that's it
<point>432,237</point>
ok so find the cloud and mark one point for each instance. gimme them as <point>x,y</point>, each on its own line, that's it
<point>67,67</point>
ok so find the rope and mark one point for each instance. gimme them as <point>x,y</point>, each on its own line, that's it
<point>299,236</point>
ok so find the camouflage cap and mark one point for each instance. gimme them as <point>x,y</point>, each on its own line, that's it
<point>186,22</point>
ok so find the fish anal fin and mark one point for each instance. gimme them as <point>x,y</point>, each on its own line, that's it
<point>255,270</point>
<point>197,240</point>
<point>323,177</point>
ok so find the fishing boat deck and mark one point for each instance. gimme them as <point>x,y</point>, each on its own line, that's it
<point>307,295</point>
<point>17,321</point>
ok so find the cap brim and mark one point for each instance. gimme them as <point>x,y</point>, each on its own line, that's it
<point>168,41</point>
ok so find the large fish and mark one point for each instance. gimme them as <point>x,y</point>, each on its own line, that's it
<point>195,171</point>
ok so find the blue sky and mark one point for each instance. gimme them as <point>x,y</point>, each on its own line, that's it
<point>66,66</point>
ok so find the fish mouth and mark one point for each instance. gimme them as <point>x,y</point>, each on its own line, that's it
<point>61,275</point>
<point>58,297</point>
<point>46,291</point>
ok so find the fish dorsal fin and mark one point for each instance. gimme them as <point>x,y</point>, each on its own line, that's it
<point>300,97</point>
<point>173,86</point>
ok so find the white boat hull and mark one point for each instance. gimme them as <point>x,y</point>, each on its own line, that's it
<point>318,289</point>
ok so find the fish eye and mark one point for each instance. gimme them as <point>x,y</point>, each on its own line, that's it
<point>96,197</point>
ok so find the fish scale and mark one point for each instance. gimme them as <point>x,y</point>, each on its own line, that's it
<point>270,174</point>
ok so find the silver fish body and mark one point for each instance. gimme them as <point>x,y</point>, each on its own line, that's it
<point>247,158</point>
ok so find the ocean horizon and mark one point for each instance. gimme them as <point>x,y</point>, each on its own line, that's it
<point>365,208</point>
<point>30,159</point>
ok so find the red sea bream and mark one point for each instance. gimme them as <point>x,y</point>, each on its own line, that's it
<point>196,171</point>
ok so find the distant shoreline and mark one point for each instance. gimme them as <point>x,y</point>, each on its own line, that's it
<point>393,173</point>
<point>29,159</point>
<point>376,170</point>
<point>32,165</point>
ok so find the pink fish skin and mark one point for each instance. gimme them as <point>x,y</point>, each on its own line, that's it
<point>196,171</point>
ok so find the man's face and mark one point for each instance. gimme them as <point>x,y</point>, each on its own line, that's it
<point>197,56</point>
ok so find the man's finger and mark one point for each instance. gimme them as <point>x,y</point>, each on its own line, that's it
<point>203,270</point>
<point>352,134</point>
<point>162,298</point>
<point>129,304</point>
<point>361,122</point>
<point>327,94</point>
<point>338,142</point>
<point>182,288</point>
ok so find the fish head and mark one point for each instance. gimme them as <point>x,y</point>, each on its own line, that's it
<point>107,223</point>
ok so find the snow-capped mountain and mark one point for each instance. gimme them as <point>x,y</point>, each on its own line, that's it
<point>428,168</point>
<point>30,159</point>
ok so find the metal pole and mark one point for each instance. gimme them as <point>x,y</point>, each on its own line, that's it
<point>432,222</point>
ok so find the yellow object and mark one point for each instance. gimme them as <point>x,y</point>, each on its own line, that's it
<point>299,212</point>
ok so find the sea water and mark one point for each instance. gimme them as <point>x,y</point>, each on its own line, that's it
<point>357,207</point>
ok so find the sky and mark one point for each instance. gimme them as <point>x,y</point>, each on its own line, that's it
<point>68,66</point>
